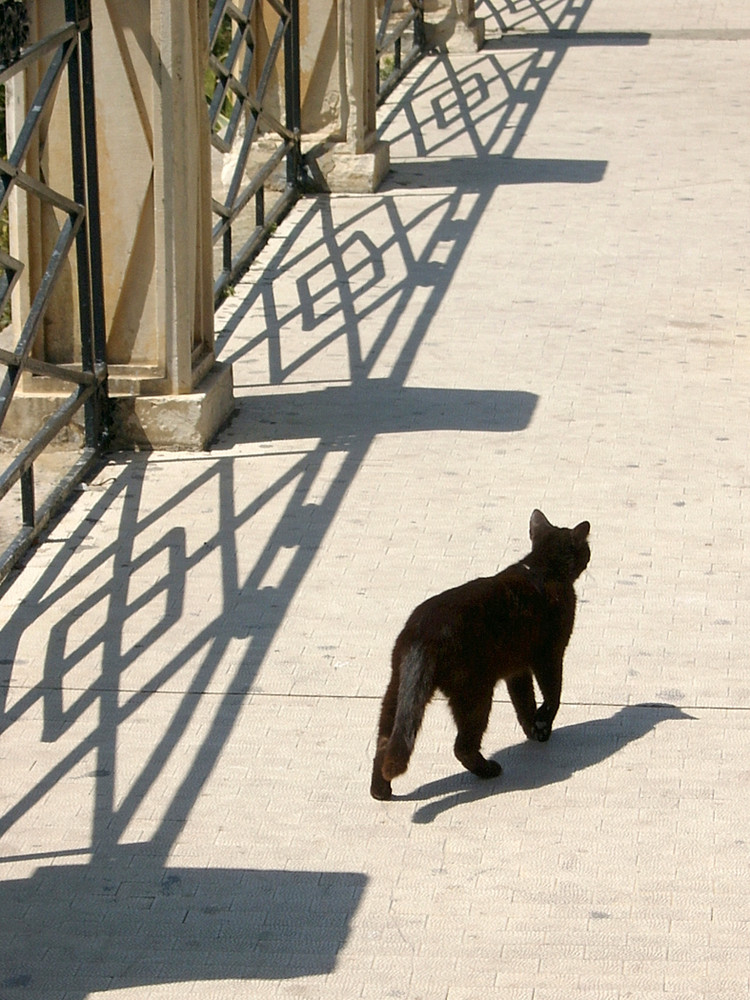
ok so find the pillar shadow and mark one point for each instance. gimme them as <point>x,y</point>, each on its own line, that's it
<point>126,922</point>
<point>494,171</point>
<point>336,414</point>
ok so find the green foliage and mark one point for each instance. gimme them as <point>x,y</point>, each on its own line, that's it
<point>387,66</point>
<point>225,33</point>
<point>220,50</point>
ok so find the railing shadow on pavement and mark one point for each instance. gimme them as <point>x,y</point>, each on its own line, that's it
<point>342,277</point>
<point>129,917</point>
<point>529,765</point>
<point>119,633</point>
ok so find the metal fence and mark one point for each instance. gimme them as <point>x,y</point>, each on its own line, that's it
<point>243,106</point>
<point>253,94</point>
<point>399,42</point>
<point>243,97</point>
<point>63,57</point>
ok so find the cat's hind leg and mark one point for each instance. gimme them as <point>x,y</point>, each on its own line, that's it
<point>471,716</point>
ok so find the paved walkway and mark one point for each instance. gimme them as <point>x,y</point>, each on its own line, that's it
<point>546,305</point>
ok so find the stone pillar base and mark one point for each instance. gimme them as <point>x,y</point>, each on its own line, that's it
<point>177,423</point>
<point>187,422</point>
<point>337,169</point>
<point>459,31</point>
<point>467,37</point>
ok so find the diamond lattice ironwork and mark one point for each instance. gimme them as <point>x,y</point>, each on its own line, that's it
<point>67,248</point>
<point>253,96</point>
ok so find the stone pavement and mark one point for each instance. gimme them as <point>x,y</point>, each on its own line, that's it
<point>546,305</point>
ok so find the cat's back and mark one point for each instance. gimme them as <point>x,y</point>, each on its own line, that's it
<point>477,603</point>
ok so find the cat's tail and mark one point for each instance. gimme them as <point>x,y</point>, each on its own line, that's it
<point>416,687</point>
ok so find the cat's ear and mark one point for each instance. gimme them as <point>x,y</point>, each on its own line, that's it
<point>537,523</point>
<point>581,532</point>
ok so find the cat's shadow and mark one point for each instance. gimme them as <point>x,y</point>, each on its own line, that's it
<point>529,765</point>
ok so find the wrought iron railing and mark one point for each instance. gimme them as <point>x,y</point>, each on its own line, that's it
<point>246,116</point>
<point>253,93</point>
<point>399,42</point>
<point>64,55</point>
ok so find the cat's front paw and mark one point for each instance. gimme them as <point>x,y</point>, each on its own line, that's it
<point>478,764</point>
<point>487,769</point>
<point>542,730</point>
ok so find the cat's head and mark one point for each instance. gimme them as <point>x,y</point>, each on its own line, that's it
<point>564,552</point>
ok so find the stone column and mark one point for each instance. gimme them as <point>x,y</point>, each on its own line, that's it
<point>155,190</point>
<point>339,100</point>
<point>337,60</point>
<point>187,396</point>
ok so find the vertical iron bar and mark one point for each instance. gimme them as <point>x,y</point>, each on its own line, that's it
<point>93,219</point>
<point>260,207</point>
<point>82,182</point>
<point>28,506</point>
<point>419,32</point>
<point>292,92</point>
<point>77,154</point>
<point>227,250</point>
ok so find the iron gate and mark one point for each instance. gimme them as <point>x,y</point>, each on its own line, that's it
<point>62,62</point>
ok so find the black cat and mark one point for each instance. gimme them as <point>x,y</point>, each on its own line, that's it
<point>514,626</point>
